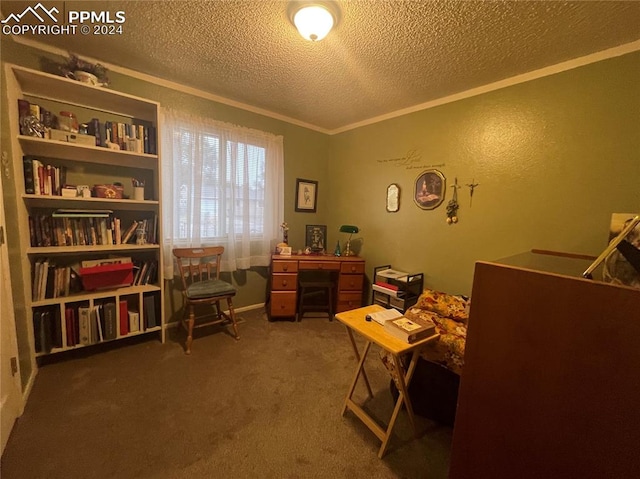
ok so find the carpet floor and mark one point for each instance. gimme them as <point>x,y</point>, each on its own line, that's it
<point>266,406</point>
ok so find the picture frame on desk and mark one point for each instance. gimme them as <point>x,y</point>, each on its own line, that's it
<point>306,195</point>
<point>316,237</point>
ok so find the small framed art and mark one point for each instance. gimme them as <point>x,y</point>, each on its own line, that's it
<point>393,198</point>
<point>430,189</point>
<point>316,237</point>
<point>306,195</point>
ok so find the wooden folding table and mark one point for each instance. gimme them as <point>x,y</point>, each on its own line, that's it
<point>374,333</point>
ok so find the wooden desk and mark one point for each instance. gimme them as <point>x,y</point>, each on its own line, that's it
<point>375,334</point>
<point>283,284</point>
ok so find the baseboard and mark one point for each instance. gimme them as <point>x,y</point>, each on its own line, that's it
<point>175,324</point>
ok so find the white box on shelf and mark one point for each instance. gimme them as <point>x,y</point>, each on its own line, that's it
<point>134,321</point>
<point>79,138</point>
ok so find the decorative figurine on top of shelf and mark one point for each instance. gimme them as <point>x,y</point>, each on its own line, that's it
<point>285,232</point>
<point>84,71</point>
<point>452,206</point>
<point>337,251</point>
<point>31,126</point>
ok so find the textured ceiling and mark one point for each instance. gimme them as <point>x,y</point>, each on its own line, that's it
<point>383,56</point>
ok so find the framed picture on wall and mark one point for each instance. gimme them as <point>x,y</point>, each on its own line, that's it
<point>316,237</point>
<point>306,195</point>
<point>430,189</point>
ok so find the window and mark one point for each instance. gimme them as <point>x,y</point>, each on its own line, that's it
<point>222,185</point>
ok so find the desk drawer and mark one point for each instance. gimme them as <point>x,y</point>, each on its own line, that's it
<point>347,301</point>
<point>350,282</point>
<point>283,303</point>
<point>320,265</point>
<point>352,268</point>
<point>285,266</point>
<point>286,282</point>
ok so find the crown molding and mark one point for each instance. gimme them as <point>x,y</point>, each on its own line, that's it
<point>507,82</point>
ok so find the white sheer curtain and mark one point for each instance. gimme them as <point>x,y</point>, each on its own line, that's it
<point>221,185</point>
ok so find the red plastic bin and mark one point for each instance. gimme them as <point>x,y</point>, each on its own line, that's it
<point>107,276</point>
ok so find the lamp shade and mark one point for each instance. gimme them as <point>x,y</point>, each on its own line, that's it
<point>313,22</point>
<point>349,229</point>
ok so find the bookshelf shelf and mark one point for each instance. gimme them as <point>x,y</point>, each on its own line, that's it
<point>395,289</point>
<point>90,154</point>
<point>74,250</point>
<point>41,201</point>
<point>52,247</point>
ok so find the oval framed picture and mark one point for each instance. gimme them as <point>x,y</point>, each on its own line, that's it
<point>430,189</point>
<point>393,198</point>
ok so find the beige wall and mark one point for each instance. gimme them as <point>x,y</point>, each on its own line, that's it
<point>554,157</point>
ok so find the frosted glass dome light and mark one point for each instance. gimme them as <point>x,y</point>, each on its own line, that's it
<point>313,22</point>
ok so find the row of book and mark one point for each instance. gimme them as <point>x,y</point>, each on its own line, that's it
<point>89,230</point>
<point>145,272</point>
<point>51,281</point>
<point>41,178</point>
<point>139,136</point>
<point>86,325</point>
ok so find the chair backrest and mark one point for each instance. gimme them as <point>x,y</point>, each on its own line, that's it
<point>198,264</point>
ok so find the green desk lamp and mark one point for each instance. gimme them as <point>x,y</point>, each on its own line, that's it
<point>348,229</point>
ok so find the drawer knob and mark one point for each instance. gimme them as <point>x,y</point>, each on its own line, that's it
<point>284,282</point>
<point>285,268</point>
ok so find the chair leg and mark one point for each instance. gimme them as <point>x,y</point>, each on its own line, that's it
<point>192,320</point>
<point>232,314</point>
<point>330,294</point>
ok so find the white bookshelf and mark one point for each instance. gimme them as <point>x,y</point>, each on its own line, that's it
<point>85,165</point>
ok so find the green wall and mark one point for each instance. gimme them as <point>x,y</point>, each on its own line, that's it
<point>305,151</point>
<point>554,157</point>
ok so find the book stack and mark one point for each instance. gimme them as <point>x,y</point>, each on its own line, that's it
<point>410,330</point>
<point>43,179</point>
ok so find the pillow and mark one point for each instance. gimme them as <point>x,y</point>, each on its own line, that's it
<point>444,304</point>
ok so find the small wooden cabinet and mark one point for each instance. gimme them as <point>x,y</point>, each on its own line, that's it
<point>283,284</point>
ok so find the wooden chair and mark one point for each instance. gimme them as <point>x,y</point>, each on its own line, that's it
<point>200,274</point>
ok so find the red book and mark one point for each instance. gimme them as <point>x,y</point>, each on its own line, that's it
<point>124,318</point>
<point>70,326</point>
<point>387,285</point>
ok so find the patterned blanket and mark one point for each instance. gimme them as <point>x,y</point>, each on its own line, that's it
<point>450,313</point>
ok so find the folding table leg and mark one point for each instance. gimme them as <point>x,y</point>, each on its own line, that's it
<point>355,350</point>
<point>355,378</point>
<point>403,398</point>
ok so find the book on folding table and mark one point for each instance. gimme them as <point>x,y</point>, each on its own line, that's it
<point>410,330</point>
<point>385,315</point>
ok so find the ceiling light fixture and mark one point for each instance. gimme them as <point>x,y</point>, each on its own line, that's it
<point>313,19</point>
